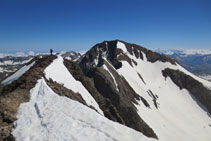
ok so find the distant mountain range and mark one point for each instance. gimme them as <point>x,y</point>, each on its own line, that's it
<point>184,51</point>
<point>10,63</point>
<point>197,61</point>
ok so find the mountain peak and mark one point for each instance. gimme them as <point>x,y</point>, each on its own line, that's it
<point>116,51</point>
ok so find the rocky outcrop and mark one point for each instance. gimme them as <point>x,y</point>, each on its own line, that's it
<point>197,90</point>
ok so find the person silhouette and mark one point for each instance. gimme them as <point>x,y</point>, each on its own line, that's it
<point>51,51</point>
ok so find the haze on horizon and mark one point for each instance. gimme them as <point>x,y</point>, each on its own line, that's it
<point>77,25</point>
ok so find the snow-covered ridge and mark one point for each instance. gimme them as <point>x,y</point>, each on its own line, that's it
<point>59,73</point>
<point>17,74</point>
<point>48,116</point>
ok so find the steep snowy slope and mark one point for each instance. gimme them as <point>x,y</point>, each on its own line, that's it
<point>177,115</point>
<point>173,102</point>
<point>48,116</point>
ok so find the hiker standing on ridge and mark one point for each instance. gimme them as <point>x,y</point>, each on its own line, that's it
<point>51,50</point>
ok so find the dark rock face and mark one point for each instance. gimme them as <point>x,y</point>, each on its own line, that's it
<point>12,95</point>
<point>124,99</point>
<point>195,88</point>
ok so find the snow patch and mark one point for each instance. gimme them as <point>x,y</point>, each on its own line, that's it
<point>121,46</point>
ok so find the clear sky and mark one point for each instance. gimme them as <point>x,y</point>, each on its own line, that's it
<point>76,25</point>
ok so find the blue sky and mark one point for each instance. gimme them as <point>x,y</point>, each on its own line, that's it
<point>76,25</point>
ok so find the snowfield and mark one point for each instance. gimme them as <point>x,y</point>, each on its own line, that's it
<point>178,117</point>
<point>59,73</point>
<point>50,117</point>
<point>17,74</point>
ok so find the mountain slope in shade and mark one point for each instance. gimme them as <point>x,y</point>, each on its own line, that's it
<point>173,109</point>
<point>64,99</point>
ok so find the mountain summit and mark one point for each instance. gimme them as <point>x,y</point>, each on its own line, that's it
<point>115,91</point>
